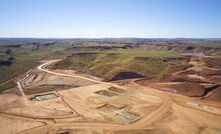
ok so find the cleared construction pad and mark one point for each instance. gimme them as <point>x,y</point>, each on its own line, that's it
<point>50,108</point>
<point>40,82</point>
<point>10,125</point>
<point>102,102</point>
<point>45,96</point>
<point>127,117</point>
<point>104,108</point>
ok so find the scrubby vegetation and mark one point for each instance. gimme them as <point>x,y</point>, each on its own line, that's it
<point>47,88</point>
<point>7,85</point>
<point>103,57</point>
<point>213,62</point>
<point>19,57</point>
<point>110,63</point>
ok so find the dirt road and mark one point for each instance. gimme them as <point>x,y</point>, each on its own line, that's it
<point>19,85</point>
<point>42,68</point>
<point>170,102</point>
<point>144,121</point>
<point>139,124</point>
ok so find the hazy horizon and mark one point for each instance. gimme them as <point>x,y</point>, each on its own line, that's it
<point>105,38</point>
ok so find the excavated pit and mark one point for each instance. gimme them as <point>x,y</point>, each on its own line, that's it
<point>126,75</point>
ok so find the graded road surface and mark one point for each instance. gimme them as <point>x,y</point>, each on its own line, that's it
<point>42,68</point>
<point>19,85</point>
<point>169,102</point>
<point>116,126</point>
<point>139,124</point>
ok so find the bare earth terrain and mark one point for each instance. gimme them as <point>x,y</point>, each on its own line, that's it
<point>67,102</point>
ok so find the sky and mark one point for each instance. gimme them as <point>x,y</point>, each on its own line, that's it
<point>110,18</point>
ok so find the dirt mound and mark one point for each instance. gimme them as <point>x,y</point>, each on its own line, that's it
<point>147,81</point>
<point>169,78</point>
<point>186,79</point>
<point>185,88</point>
<point>126,75</point>
<point>106,93</point>
<point>214,95</point>
<point>210,72</point>
<point>117,90</point>
<point>216,78</point>
<point>188,72</point>
<point>209,88</point>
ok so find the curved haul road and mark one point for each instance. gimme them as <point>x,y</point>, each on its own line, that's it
<point>143,122</point>
<point>42,68</point>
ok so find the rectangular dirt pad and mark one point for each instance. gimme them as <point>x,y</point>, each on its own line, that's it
<point>106,93</point>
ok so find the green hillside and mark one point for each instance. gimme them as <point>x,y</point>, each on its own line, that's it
<point>109,63</point>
